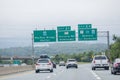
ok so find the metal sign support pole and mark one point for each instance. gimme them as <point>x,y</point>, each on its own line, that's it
<point>33,50</point>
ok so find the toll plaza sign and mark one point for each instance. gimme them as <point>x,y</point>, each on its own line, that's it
<point>86,32</point>
<point>44,35</point>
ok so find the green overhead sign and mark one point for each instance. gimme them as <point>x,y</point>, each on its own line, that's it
<point>66,36</point>
<point>86,32</point>
<point>45,36</point>
<point>84,26</point>
<point>63,28</point>
<point>64,33</point>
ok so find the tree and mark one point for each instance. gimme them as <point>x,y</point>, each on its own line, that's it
<point>115,48</point>
<point>0,59</point>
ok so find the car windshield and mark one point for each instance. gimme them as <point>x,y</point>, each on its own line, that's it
<point>43,61</point>
<point>72,60</point>
<point>61,61</point>
<point>100,57</point>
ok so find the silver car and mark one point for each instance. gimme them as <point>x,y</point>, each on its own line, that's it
<point>71,63</point>
<point>44,65</point>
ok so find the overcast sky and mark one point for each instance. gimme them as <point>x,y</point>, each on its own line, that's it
<point>18,18</point>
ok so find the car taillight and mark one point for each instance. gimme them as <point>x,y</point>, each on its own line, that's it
<point>116,65</point>
<point>49,63</point>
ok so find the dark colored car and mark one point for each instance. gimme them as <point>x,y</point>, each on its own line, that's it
<point>54,64</point>
<point>115,66</point>
<point>44,56</point>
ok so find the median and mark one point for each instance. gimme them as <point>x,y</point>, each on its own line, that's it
<point>15,69</point>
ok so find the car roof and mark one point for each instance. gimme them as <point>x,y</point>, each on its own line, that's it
<point>44,56</point>
<point>44,59</point>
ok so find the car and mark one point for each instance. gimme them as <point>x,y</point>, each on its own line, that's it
<point>43,65</point>
<point>115,66</point>
<point>100,61</point>
<point>62,63</point>
<point>54,64</point>
<point>71,63</point>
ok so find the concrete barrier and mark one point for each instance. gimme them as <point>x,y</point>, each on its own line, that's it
<point>15,69</point>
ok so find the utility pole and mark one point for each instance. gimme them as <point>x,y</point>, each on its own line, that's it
<point>33,49</point>
<point>108,40</point>
<point>108,43</point>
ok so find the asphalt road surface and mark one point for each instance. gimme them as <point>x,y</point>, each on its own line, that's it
<point>83,72</point>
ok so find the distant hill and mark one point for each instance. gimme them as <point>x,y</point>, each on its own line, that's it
<point>55,48</point>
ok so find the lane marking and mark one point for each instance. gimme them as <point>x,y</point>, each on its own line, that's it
<point>95,75</point>
<point>48,77</point>
<point>54,74</point>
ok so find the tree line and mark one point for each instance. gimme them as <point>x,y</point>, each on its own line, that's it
<point>112,53</point>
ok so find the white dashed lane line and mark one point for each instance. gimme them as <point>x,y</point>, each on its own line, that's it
<point>95,75</point>
<point>54,74</point>
<point>48,77</point>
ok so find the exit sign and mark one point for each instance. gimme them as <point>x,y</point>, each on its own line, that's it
<point>45,36</point>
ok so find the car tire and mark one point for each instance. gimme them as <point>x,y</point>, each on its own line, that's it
<point>36,71</point>
<point>93,68</point>
<point>107,68</point>
<point>114,73</point>
<point>111,72</point>
<point>51,70</point>
<point>76,67</point>
<point>67,67</point>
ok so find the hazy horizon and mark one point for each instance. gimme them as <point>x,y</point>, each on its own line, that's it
<point>18,18</point>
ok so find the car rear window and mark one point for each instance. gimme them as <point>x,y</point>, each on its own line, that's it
<point>100,57</point>
<point>71,60</point>
<point>43,61</point>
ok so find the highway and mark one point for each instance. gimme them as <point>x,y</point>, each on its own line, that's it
<point>83,72</point>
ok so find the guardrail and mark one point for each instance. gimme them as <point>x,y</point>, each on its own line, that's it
<point>15,69</point>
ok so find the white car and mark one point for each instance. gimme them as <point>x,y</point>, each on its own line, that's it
<point>44,65</point>
<point>100,61</point>
<point>62,63</point>
<point>71,63</point>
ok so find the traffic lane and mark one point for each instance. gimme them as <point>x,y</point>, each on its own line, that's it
<point>106,74</point>
<point>81,73</point>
